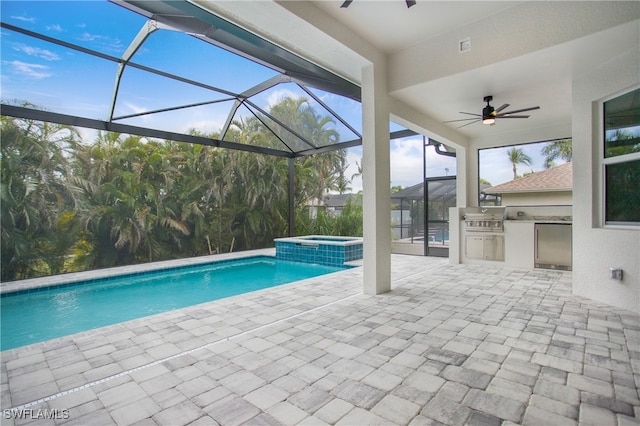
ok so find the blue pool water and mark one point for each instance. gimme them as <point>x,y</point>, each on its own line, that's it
<point>31,317</point>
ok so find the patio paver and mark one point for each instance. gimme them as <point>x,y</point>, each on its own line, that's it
<point>450,344</point>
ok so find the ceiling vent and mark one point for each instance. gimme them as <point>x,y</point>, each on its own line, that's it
<point>464,45</point>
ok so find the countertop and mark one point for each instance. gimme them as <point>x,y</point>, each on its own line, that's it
<point>567,220</point>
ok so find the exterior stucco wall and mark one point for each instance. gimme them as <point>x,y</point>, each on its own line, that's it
<point>596,248</point>
<point>537,199</point>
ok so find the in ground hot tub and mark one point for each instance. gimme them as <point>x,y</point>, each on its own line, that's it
<point>322,249</point>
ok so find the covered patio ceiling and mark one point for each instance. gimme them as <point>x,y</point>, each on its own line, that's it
<point>524,53</point>
<point>152,35</point>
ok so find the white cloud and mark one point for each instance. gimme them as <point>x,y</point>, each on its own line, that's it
<point>439,165</point>
<point>24,19</point>
<point>135,109</point>
<point>204,126</point>
<point>87,135</point>
<point>88,37</point>
<point>103,43</point>
<point>406,162</point>
<point>54,27</point>
<point>36,71</point>
<point>37,52</point>
<point>278,95</point>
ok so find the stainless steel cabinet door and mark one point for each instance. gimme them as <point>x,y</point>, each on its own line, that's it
<point>474,247</point>
<point>552,246</point>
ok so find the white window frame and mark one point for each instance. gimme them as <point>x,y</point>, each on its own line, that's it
<point>634,156</point>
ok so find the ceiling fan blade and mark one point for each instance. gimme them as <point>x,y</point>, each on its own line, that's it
<point>475,121</point>
<point>512,116</point>
<point>461,119</point>
<point>497,110</point>
<point>520,110</point>
<point>410,3</point>
<point>471,113</point>
<point>346,3</point>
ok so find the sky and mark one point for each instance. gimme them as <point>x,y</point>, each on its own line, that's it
<point>64,80</point>
<point>496,168</point>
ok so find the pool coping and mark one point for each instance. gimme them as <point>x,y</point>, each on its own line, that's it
<point>73,277</point>
<point>107,273</point>
<point>158,316</point>
<point>145,342</point>
<point>327,240</point>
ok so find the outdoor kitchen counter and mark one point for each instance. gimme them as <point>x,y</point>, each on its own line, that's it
<point>519,243</point>
<point>539,221</point>
<point>519,239</point>
<point>539,218</point>
<point>517,231</point>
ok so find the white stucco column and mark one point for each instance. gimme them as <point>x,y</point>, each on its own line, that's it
<point>376,181</point>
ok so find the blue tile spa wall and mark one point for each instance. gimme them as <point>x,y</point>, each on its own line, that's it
<point>325,254</point>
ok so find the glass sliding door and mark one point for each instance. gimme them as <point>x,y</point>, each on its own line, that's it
<point>440,196</point>
<point>420,213</point>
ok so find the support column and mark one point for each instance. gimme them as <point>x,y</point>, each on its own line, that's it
<point>376,181</point>
<point>291,193</point>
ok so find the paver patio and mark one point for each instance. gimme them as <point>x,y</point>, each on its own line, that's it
<point>450,344</point>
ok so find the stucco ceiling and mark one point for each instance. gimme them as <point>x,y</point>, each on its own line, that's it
<point>392,26</point>
<point>540,74</point>
<point>525,53</point>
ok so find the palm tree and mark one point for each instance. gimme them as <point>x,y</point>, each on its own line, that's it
<point>342,184</point>
<point>620,142</point>
<point>132,214</point>
<point>518,156</point>
<point>201,193</point>
<point>35,196</point>
<point>557,149</point>
<point>257,187</point>
<point>299,116</point>
<point>315,175</point>
<point>259,199</point>
<point>123,199</point>
<point>359,172</point>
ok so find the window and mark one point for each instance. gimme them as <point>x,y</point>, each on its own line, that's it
<point>501,167</point>
<point>621,159</point>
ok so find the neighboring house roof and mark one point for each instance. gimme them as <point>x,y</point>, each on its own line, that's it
<point>558,178</point>
<point>337,200</point>
<point>437,190</point>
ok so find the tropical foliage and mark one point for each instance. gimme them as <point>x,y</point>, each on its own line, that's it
<point>70,205</point>
<point>347,223</point>
<point>518,156</point>
<point>560,149</point>
<point>37,199</point>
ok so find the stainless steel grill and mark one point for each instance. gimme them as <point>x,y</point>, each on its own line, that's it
<point>484,222</point>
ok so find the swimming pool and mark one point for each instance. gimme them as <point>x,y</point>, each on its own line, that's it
<point>46,313</point>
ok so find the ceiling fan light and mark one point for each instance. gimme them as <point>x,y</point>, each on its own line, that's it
<point>488,116</point>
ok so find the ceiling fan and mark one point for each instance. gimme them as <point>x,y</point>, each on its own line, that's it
<point>409,3</point>
<point>490,115</point>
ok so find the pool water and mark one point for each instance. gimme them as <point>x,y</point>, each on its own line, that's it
<point>35,316</point>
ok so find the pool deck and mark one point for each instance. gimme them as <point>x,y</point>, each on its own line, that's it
<point>450,344</point>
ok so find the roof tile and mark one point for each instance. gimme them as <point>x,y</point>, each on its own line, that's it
<point>558,178</point>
